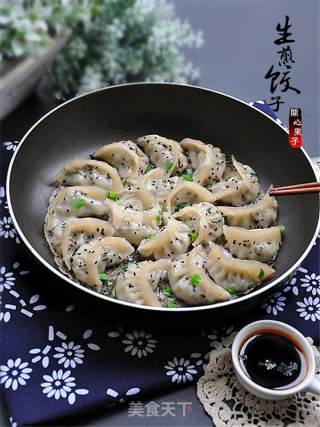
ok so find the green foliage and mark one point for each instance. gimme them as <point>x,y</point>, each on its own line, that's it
<point>112,42</point>
<point>21,30</point>
<point>128,40</point>
<point>28,25</point>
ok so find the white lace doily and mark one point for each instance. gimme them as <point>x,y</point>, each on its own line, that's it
<point>230,405</point>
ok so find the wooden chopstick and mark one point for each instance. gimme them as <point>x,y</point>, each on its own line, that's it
<point>304,185</point>
<point>309,187</point>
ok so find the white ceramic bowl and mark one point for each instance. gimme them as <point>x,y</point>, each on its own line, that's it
<point>308,383</point>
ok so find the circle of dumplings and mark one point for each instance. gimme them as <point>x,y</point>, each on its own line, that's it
<point>163,223</point>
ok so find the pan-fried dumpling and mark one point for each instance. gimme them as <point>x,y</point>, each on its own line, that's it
<point>81,231</point>
<point>165,153</point>
<point>125,156</point>
<point>95,257</point>
<point>73,202</point>
<point>207,161</point>
<point>261,245</point>
<point>137,198</point>
<point>261,214</point>
<point>190,282</point>
<point>132,286</point>
<point>172,240</point>
<point>131,224</point>
<point>236,274</point>
<point>90,172</point>
<point>186,194</point>
<point>158,183</point>
<point>205,221</point>
<point>139,282</point>
<point>195,216</point>
<point>240,186</point>
<point>78,201</point>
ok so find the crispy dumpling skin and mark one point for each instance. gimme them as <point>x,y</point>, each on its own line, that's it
<point>131,224</point>
<point>261,214</point>
<point>138,284</point>
<point>166,153</point>
<point>96,256</point>
<point>203,219</point>
<point>170,241</point>
<point>208,162</point>
<point>81,231</point>
<point>90,172</point>
<point>187,193</point>
<point>187,266</point>
<point>158,183</point>
<point>137,198</point>
<point>240,185</point>
<point>125,156</point>
<point>240,275</point>
<point>261,245</point>
<point>63,208</point>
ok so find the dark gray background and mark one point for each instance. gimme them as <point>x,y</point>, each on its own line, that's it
<point>238,50</point>
<point>237,53</point>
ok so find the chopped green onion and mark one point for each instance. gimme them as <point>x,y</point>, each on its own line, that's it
<point>180,206</point>
<point>148,168</point>
<point>232,291</point>
<point>159,219</point>
<point>187,176</point>
<point>124,265</point>
<point>171,304</point>
<point>113,293</point>
<point>169,166</point>
<point>195,279</point>
<point>149,236</point>
<point>261,274</point>
<point>168,292</point>
<point>282,232</point>
<point>112,195</point>
<point>79,203</point>
<point>103,276</point>
<point>193,235</point>
<point>124,181</point>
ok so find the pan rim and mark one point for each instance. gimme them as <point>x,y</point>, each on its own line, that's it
<point>254,293</point>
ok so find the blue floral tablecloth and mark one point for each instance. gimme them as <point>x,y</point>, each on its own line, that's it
<point>60,356</point>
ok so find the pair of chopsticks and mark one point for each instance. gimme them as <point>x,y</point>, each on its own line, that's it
<point>310,187</point>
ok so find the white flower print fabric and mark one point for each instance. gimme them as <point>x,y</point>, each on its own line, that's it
<point>298,302</point>
<point>138,343</point>
<point>275,304</point>
<point>69,354</point>
<point>14,373</point>
<point>309,309</point>
<point>311,283</point>
<point>180,370</point>
<point>7,230</point>
<point>10,145</point>
<point>61,385</point>
<point>64,352</point>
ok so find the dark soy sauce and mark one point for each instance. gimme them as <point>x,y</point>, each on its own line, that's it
<point>272,360</point>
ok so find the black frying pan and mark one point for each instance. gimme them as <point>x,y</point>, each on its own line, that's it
<point>78,127</point>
